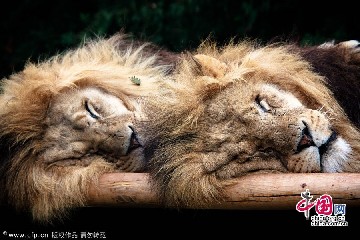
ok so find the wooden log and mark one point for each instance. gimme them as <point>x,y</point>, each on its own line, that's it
<point>259,191</point>
<point>123,189</point>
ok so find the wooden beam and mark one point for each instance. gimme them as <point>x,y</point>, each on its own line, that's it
<point>125,189</point>
<point>259,191</point>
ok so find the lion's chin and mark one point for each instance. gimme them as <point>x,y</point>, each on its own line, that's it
<point>336,156</point>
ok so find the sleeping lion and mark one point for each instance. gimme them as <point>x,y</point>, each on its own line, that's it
<point>118,105</point>
<point>67,120</point>
<point>246,108</point>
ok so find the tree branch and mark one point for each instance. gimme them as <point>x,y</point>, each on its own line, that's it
<point>259,191</point>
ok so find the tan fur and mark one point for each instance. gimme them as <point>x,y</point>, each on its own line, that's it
<point>65,121</point>
<point>266,111</point>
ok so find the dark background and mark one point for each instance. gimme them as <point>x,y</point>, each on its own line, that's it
<point>32,30</point>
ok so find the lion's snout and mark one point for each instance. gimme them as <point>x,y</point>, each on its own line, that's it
<point>134,142</point>
<point>313,142</point>
<point>316,129</point>
<point>119,140</point>
<point>306,139</point>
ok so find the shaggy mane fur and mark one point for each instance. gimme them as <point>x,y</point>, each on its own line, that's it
<point>108,64</point>
<point>206,135</point>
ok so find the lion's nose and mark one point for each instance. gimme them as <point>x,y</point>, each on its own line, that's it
<point>134,143</point>
<point>306,139</point>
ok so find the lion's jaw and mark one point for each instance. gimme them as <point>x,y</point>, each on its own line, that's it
<point>86,124</point>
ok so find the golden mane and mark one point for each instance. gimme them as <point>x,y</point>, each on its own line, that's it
<point>244,108</point>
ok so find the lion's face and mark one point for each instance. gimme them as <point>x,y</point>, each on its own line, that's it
<point>89,121</point>
<point>269,128</point>
<point>276,113</point>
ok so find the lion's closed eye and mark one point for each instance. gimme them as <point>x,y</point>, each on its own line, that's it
<point>262,103</point>
<point>90,108</point>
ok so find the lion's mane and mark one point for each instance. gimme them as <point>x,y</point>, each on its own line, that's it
<point>29,184</point>
<point>207,134</point>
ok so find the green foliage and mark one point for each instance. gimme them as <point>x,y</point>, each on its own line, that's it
<point>135,80</point>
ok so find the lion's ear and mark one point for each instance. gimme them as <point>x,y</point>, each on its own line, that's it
<point>210,74</point>
<point>210,66</point>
